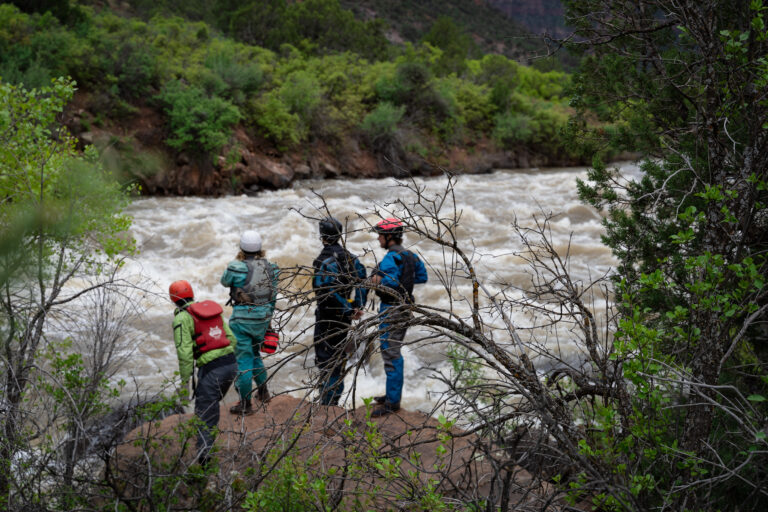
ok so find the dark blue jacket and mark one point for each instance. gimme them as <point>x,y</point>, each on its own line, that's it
<point>337,281</point>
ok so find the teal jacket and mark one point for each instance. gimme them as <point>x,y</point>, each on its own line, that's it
<point>183,329</point>
<point>235,276</point>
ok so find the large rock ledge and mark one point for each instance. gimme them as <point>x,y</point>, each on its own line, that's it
<point>324,438</point>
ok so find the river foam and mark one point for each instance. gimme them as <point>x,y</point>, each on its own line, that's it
<point>194,238</point>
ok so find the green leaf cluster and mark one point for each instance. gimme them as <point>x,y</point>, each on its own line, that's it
<point>52,195</point>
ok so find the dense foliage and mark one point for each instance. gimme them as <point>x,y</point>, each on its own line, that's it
<point>490,31</point>
<point>312,73</point>
<point>60,220</point>
<point>686,84</point>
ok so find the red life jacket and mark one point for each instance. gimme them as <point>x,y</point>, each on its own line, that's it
<point>209,327</point>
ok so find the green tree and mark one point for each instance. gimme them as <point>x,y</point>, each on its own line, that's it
<point>457,46</point>
<point>323,25</point>
<point>62,9</point>
<point>61,216</point>
<point>199,123</point>
<point>686,84</point>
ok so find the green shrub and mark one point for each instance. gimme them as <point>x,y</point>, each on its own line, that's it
<point>230,74</point>
<point>302,93</point>
<point>454,43</point>
<point>275,119</point>
<point>511,128</point>
<point>381,124</point>
<point>389,88</point>
<point>321,25</point>
<point>35,48</point>
<point>291,487</point>
<point>198,123</point>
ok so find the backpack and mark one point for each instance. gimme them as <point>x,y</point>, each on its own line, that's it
<point>258,289</point>
<point>334,275</point>
<point>209,327</point>
<point>406,278</point>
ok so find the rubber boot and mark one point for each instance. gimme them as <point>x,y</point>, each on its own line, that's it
<point>262,393</point>
<point>384,409</point>
<point>242,408</point>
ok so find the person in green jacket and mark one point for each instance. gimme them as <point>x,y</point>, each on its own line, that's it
<point>252,281</point>
<point>203,338</point>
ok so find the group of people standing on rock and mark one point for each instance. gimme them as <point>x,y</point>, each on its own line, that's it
<point>230,352</point>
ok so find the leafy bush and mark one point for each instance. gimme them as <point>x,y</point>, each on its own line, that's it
<point>274,117</point>
<point>197,122</point>
<point>207,83</point>
<point>323,25</point>
<point>35,48</point>
<point>511,128</point>
<point>230,73</point>
<point>381,124</point>
<point>291,487</point>
<point>302,93</point>
<point>454,43</point>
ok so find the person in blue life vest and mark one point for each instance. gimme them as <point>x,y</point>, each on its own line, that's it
<point>393,280</point>
<point>252,281</point>
<point>203,338</point>
<point>336,281</point>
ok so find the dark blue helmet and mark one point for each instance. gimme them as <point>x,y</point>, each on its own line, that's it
<point>330,230</point>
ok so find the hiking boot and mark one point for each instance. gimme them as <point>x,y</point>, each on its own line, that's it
<point>380,399</point>
<point>384,409</point>
<point>242,408</point>
<point>262,394</point>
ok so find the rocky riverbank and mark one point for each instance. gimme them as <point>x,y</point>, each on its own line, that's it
<point>383,463</point>
<point>135,149</point>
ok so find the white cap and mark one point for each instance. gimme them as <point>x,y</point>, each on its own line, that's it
<point>250,241</point>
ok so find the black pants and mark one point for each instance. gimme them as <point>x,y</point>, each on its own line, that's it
<point>213,381</point>
<point>329,341</point>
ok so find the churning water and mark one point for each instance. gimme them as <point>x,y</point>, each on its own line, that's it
<point>194,238</point>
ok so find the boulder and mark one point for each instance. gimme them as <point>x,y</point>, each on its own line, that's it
<point>382,461</point>
<point>274,174</point>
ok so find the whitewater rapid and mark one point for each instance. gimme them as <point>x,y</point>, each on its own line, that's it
<point>194,238</point>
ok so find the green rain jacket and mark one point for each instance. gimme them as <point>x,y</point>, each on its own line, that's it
<point>235,276</point>
<point>183,329</point>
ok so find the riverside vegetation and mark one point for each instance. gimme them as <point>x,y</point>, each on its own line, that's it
<point>292,79</point>
<point>667,407</point>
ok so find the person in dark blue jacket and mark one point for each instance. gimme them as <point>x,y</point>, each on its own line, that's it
<point>337,283</point>
<point>393,280</point>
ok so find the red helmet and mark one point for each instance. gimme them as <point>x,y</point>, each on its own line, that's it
<point>180,290</point>
<point>390,226</point>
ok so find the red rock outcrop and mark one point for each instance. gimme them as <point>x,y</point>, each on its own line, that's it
<point>410,445</point>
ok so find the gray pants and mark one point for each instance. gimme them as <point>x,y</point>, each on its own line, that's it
<point>212,384</point>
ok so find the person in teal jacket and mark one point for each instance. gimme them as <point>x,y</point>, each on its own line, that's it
<point>203,338</point>
<point>252,281</point>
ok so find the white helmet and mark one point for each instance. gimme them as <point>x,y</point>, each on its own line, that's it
<point>250,241</point>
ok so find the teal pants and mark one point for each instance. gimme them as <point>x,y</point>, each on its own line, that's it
<point>250,367</point>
